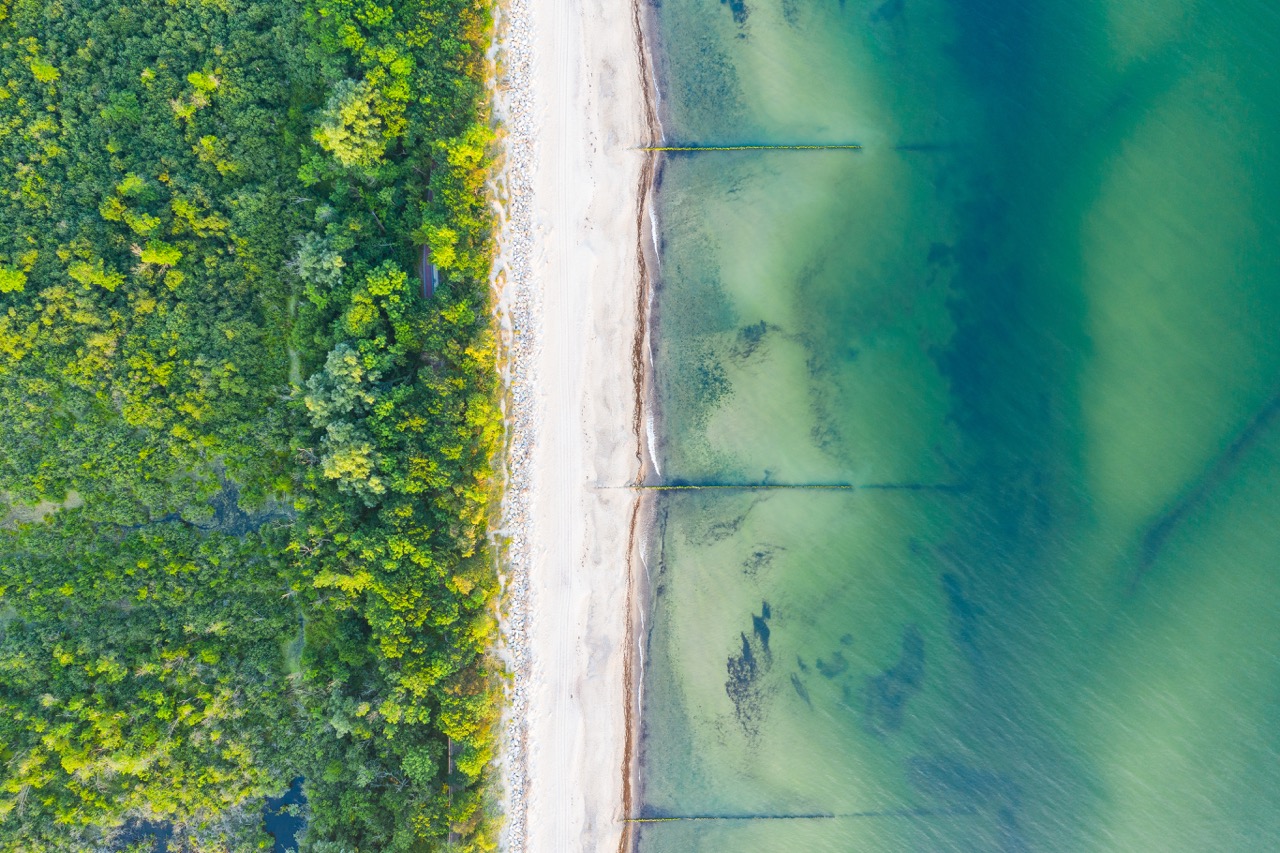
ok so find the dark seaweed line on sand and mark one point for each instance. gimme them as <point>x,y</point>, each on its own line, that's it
<point>630,695</point>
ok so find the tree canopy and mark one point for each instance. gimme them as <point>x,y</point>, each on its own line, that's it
<point>245,469</point>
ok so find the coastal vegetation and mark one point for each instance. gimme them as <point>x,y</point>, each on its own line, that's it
<point>245,465</point>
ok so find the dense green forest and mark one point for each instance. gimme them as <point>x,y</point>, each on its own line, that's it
<point>245,466</point>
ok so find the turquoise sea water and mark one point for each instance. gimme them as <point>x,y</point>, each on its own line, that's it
<point>1038,314</point>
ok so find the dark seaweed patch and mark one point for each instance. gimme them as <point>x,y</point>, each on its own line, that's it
<point>825,436</point>
<point>739,10</point>
<point>964,787</point>
<point>833,667</point>
<point>741,687</point>
<point>958,784</point>
<point>749,339</point>
<point>888,11</point>
<point>714,528</point>
<point>761,558</point>
<point>760,628</point>
<point>801,690</point>
<point>940,253</point>
<point>885,695</point>
<point>710,380</point>
<point>724,529</point>
<point>963,613</point>
<point>744,665</point>
<point>745,669</point>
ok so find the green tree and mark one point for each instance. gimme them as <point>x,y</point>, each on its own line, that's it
<point>12,281</point>
<point>244,583</point>
<point>318,262</point>
<point>348,456</point>
<point>343,388</point>
<point>350,128</point>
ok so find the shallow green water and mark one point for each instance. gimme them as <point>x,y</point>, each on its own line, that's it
<point>1038,313</point>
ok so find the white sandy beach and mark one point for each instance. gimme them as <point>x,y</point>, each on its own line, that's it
<point>571,98</point>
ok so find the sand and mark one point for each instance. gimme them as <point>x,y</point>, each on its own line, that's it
<point>571,95</point>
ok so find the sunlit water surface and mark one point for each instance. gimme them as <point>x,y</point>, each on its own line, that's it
<point>1037,316</point>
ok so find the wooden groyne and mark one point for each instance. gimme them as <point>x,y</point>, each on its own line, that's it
<point>883,813</point>
<point>752,148</point>
<point>952,488</point>
<point>696,817</point>
<point>746,487</point>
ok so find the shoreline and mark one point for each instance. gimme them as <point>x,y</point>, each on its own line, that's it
<point>642,423</point>
<point>572,90</point>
